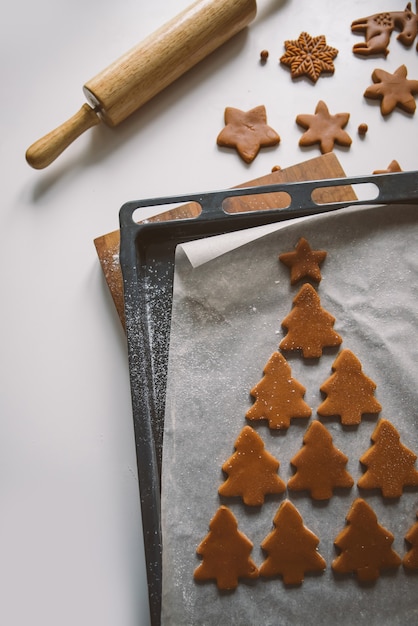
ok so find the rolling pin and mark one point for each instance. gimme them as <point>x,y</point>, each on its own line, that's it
<point>145,70</point>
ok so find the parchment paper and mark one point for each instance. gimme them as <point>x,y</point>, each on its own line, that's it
<point>227,315</point>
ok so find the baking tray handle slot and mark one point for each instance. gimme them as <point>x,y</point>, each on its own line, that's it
<point>256,202</point>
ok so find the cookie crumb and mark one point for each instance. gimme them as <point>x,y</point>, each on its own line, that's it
<point>362,129</point>
<point>264,55</point>
<point>276,168</point>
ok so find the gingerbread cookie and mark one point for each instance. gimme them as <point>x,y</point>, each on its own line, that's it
<point>279,397</point>
<point>410,560</point>
<point>247,132</point>
<point>225,552</point>
<point>378,28</point>
<point>394,90</point>
<point>309,326</point>
<point>291,548</point>
<point>366,547</point>
<point>392,167</point>
<point>251,470</point>
<point>303,262</point>
<point>309,56</point>
<point>320,466</point>
<point>324,129</point>
<point>350,393</point>
<point>390,466</point>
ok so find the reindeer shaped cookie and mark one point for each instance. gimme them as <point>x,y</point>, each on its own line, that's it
<point>379,27</point>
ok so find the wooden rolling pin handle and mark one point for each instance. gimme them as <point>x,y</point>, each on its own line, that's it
<point>144,71</point>
<point>44,151</point>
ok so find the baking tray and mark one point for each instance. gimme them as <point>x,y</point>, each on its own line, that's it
<point>147,258</point>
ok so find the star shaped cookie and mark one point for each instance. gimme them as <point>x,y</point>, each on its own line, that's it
<point>394,90</point>
<point>247,132</point>
<point>324,128</point>
<point>391,168</point>
<point>309,56</point>
<point>303,262</point>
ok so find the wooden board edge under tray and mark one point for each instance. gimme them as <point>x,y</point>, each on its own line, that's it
<point>322,167</point>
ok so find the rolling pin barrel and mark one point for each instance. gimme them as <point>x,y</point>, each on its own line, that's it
<point>136,77</point>
<point>165,55</point>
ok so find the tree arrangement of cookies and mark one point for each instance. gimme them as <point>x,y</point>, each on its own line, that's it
<point>252,473</point>
<point>310,57</point>
<point>291,550</point>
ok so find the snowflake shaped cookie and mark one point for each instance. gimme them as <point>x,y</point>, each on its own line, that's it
<point>309,56</point>
<point>324,128</point>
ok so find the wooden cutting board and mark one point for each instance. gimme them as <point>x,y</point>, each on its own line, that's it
<point>322,167</point>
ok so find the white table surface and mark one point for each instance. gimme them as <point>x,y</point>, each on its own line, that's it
<point>70,531</point>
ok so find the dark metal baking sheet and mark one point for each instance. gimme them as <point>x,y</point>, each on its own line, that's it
<point>147,261</point>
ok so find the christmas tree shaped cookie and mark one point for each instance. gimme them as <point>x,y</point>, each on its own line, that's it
<point>251,470</point>
<point>320,466</point>
<point>303,262</point>
<point>279,397</point>
<point>390,465</point>
<point>291,548</point>
<point>366,547</point>
<point>226,552</point>
<point>350,393</point>
<point>410,560</point>
<point>309,326</point>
